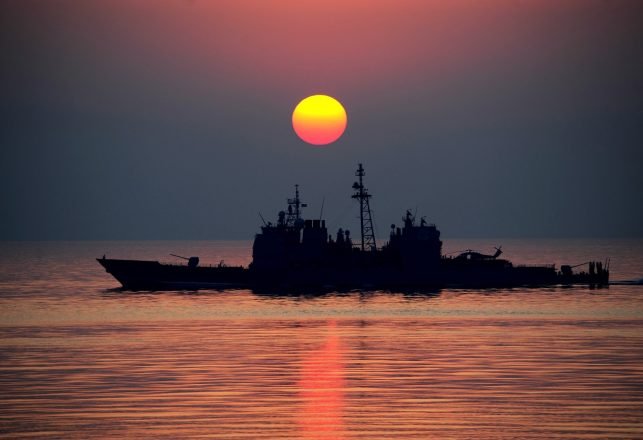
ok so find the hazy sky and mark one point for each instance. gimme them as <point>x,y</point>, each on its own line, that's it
<point>171,119</point>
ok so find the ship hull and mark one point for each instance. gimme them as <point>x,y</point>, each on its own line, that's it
<point>152,275</point>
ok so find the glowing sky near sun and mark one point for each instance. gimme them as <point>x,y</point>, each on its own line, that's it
<point>286,44</point>
<point>335,45</point>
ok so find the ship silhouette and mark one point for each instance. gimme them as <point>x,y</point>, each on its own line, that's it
<point>297,253</point>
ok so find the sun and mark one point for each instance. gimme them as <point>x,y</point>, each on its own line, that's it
<point>319,119</point>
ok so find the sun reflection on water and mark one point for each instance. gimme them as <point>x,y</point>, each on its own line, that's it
<point>321,389</point>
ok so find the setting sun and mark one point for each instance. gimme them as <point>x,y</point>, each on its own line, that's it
<point>319,119</point>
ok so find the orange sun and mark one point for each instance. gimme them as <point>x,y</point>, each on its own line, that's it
<point>319,119</point>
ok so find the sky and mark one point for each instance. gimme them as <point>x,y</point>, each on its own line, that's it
<point>172,120</point>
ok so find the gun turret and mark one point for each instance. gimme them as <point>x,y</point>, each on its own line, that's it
<point>192,261</point>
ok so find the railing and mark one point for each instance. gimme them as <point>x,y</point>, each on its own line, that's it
<point>548,266</point>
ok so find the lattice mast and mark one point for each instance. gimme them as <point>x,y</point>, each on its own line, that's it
<point>365,215</point>
<point>293,217</point>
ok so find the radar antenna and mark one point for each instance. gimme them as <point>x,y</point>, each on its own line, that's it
<point>365,215</point>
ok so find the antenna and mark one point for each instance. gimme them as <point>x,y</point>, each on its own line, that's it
<point>321,211</point>
<point>365,215</point>
<point>263,219</point>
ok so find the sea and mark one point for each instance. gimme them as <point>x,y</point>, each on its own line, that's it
<point>82,359</point>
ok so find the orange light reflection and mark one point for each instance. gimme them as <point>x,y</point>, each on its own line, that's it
<point>321,388</point>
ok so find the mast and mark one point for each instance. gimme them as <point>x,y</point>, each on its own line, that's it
<point>365,216</point>
<point>294,209</point>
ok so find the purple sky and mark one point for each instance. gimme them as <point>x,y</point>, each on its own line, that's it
<point>145,119</point>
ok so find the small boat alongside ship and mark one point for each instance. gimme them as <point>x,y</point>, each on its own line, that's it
<point>297,253</point>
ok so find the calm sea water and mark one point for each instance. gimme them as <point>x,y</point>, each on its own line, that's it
<point>81,359</point>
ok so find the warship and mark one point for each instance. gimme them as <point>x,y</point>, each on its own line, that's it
<point>298,253</point>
